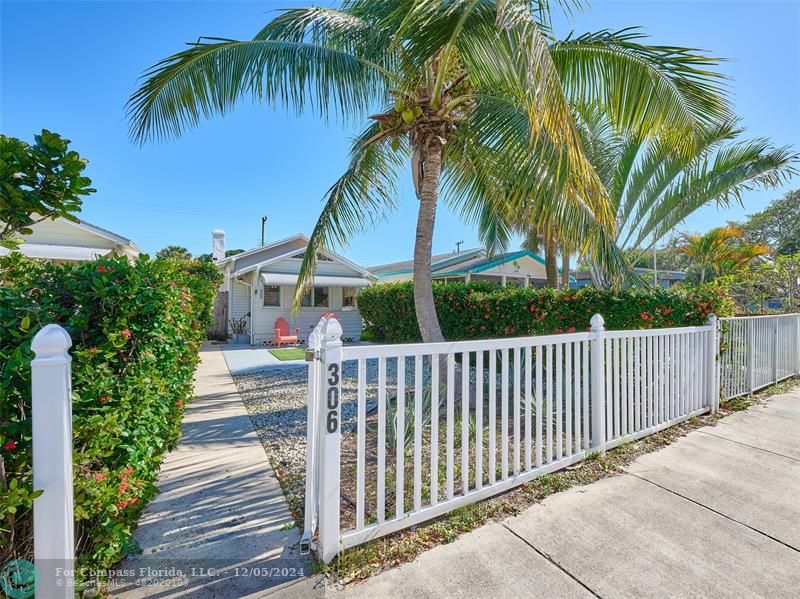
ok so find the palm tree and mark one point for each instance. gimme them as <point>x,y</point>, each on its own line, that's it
<point>465,91</point>
<point>653,187</point>
<point>174,251</point>
<point>721,250</point>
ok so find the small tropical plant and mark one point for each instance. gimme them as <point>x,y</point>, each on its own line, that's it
<point>721,250</point>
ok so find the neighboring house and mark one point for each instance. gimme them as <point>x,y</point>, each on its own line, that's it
<point>62,240</point>
<point>666,278</point>
<point>261,282</point>
<point>520,269</point>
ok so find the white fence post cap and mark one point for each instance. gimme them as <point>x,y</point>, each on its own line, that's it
<point>51,341</point>
<point>597,322</point>
<point>712,318</point>
<point>332,330</point>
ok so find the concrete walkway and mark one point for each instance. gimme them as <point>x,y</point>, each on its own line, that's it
<point>247,359</point>
<point>220,526</point>
<point>716,514</point>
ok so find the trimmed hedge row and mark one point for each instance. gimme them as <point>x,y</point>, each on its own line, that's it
<point>136,331</point>
<point>483,310</point>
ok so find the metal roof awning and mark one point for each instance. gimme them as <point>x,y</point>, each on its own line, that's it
<point>272,278</point>
<point>58,252</point>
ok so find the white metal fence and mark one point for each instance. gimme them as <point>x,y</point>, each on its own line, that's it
<point>757,351</point>
<point>431,427</point>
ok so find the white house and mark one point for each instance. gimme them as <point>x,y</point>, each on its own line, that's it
<point>62,240</point>
<point>261,282</point>
<point>520,269</point>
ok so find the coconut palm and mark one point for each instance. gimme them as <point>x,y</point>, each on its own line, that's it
<point>463,92</point>
<point>721,250</point>
<point>653,187</point>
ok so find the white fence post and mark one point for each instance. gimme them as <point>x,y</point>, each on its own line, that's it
<point>51,408</point>
<point>797,345</point>
<point>751,355</point>
<point>330,439</point>
<point>714,363</point>
<point>775,349</point>
<point>598,375</point>
<point>311,511</point>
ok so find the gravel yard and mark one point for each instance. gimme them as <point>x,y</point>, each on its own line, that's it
<point>276,402</point>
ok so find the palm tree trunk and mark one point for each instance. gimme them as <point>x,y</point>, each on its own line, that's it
<point>564,268</point>
<point>550,262</point>
<point>424,305</point>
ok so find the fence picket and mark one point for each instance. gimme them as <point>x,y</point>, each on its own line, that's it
<point>400,438</point>
<point>417,433</point>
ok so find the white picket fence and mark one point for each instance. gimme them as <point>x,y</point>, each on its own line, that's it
<point>438,426</point>
<point>431,427</point>
<point>758,351</point>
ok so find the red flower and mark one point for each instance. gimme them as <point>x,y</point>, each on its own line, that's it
<point>104,399</point>
<point>92,350</point>
<point>571,330</point>
<point>179,403</point>
<point>667,311</point>
<point>100,477</point>
<point>101,269</point>
<point>125,333</point>
<point>116,281</point>
<point>10,446</point>
<point>127,472</point>
<point>123,486</point>
<point>559,330</point>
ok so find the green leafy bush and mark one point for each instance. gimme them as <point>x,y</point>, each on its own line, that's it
<point>480,311</point>
<point>136,331</point>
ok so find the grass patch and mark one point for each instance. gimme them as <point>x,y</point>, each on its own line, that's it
<point>295,353</point>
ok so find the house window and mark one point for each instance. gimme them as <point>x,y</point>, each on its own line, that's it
<point>272,296</point>
<point>316,298</point>
<point>348,297</point>
<point>321,297</point>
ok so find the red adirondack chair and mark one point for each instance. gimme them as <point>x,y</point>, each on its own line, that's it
<point>282,333</point>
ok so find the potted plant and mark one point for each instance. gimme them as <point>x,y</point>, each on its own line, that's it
<point>239,328</point>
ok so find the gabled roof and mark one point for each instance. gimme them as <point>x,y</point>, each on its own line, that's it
<point>472,261</point>
<point>105,233</point>
<point>262,248</point>
<point>438,261</point>
<point>291,252</point>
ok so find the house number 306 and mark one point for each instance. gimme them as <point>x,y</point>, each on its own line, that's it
<point>332,421</point>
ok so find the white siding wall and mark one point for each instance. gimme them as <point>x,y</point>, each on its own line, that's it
<point>306,319</point>
<point>240,301</point>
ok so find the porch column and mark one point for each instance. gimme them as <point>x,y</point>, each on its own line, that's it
<point>466,278</point>
<point>527,281</point>
<point>503,280</point>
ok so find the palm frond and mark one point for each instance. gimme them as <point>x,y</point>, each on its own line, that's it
<point>212,75</point>
<point>642,88</point>
<point>361,198</point>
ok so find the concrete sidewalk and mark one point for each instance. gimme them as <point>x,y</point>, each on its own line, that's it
<point>220,526</point>
<point>716,514</point>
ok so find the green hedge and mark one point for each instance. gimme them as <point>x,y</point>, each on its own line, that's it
<point>136,331</point>
<point>481,310</point>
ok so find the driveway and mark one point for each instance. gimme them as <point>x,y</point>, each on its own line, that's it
<point>716,514</point>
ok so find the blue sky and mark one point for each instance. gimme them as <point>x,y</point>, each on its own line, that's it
<point>70,67</point>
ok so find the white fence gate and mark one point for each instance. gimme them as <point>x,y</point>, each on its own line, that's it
<point>758,351</point>
<point>432,427</point>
